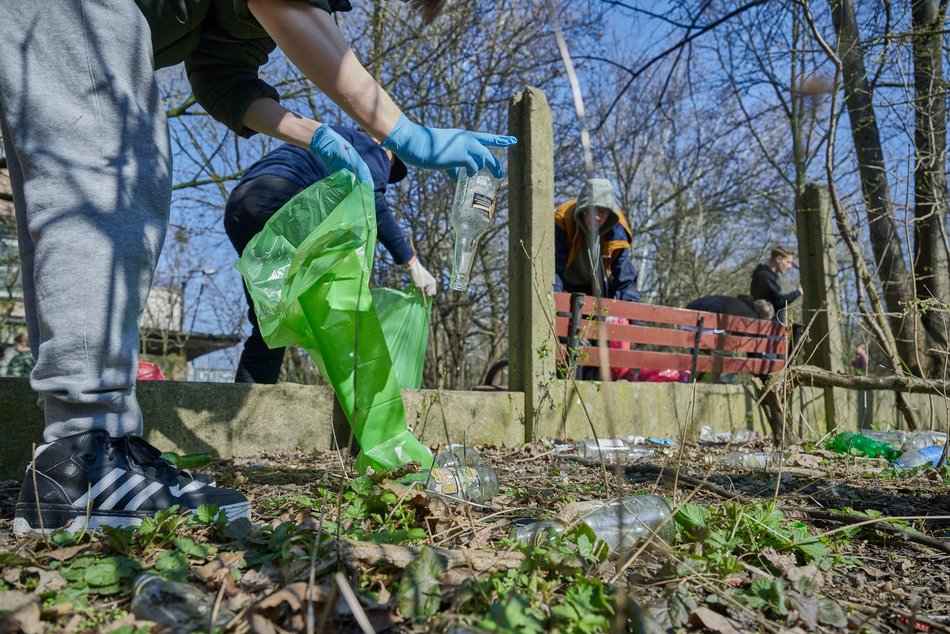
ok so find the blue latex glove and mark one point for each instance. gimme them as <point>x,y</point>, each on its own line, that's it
<point>444,148</point>
<point>337,153</point>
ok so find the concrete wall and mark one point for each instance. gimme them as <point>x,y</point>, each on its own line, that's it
<point>244,420</point>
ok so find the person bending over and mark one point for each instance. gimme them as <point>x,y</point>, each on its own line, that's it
<point>268,185</point>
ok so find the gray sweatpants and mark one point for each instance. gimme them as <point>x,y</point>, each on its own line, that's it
<point>87,148</point>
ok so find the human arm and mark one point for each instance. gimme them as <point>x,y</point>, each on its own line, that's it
<point>623,278</point>
<point>311,40</point>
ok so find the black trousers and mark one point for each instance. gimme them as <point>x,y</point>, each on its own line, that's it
<point>249,208</point>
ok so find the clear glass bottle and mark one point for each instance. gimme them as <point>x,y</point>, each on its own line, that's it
<point>175,605</point>
<point>925,438</point>
<point>473,211</point>
<point>473,484</point>
<point>458,456</point>
<point>919,457</point>
<point>624,522</point>
<point>895,438</point>
<point>747,460</point>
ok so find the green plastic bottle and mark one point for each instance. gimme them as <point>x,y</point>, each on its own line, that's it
<point>847,441</point>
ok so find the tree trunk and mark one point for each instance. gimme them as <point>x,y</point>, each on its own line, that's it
<point>931,269</point>
<point>885,238</point>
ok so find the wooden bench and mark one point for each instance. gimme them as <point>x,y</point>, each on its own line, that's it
<point>669,338</point>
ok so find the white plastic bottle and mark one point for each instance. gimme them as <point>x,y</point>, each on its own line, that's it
<point>894,437</point>
<point>919,457</point>
<point>473,211</point>
<point>624,522</point>
<point>747,460</point>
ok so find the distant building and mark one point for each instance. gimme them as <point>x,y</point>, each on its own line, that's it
<point>163,330</point>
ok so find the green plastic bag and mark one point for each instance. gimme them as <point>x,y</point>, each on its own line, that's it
<point>308,273</point>
<point>404,316</point>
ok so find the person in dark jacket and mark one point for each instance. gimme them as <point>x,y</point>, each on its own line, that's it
<point>740,306</point>
<point>85,136</point>
<point>575,271</point>
<point>765,282</point>
<point>276,178</point>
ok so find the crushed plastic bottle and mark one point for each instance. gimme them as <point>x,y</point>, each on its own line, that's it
<point>613,451</point>
<point>739,437</point>
<point>624,522</point>
<point>176,605</point>
<point>894,437</point>
<point>458,456</point>
<point>472,214</point>
<point>473,484</point>
<point>919,457</point>
<point>923,438</point>
<point>538,531</point>
<point>758,460</point>
<point>847,441</point>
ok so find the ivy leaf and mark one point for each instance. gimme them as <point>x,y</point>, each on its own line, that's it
<point>193,549</point>
<point>206,513</point>
<point>514,615</point>
<point>363,485</point>
<point>772,592</point>
<point>692,516</point>
<point>103,573</point>
<point>419,594</point>
<point>173,565</point>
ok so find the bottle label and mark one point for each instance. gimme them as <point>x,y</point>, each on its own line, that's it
<point>448,483</point>
<point>485,203</point>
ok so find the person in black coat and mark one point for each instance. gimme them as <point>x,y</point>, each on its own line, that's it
<point>740,306</point>
<point>765,281</point>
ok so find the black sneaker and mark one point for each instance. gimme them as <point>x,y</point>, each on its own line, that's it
<point>91,479</point>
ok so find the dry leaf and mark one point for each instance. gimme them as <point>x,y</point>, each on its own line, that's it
<point>714,621</point>
<point>25,619</point>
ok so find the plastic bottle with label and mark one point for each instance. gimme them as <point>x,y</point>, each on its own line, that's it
<point>178,606</point>
<point>472,214</point>
<point>758,460</point>
<point>473,484</point>
<point>458,456</point>
<point>919,457</point>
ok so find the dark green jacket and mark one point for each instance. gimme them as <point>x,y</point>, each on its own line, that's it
<point>222,46</point>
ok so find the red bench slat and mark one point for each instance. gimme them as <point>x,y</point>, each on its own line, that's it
<point>589,356</point>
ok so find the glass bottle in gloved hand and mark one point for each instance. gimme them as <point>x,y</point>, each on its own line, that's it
<point>473,211</point>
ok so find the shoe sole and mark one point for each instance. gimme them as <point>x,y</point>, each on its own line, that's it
<point>57,517</point>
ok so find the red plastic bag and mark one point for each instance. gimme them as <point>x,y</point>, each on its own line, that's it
<point>149,371</point>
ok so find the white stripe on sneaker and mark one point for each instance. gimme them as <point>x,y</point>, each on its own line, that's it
<point>98,487</point>
<point>143,495</point>
<point>117,495</point>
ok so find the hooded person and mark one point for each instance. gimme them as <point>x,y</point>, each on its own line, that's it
<point>575,270</point>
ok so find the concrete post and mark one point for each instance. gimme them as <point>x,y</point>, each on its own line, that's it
<point>531,343</point>
<point>821,307</point>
